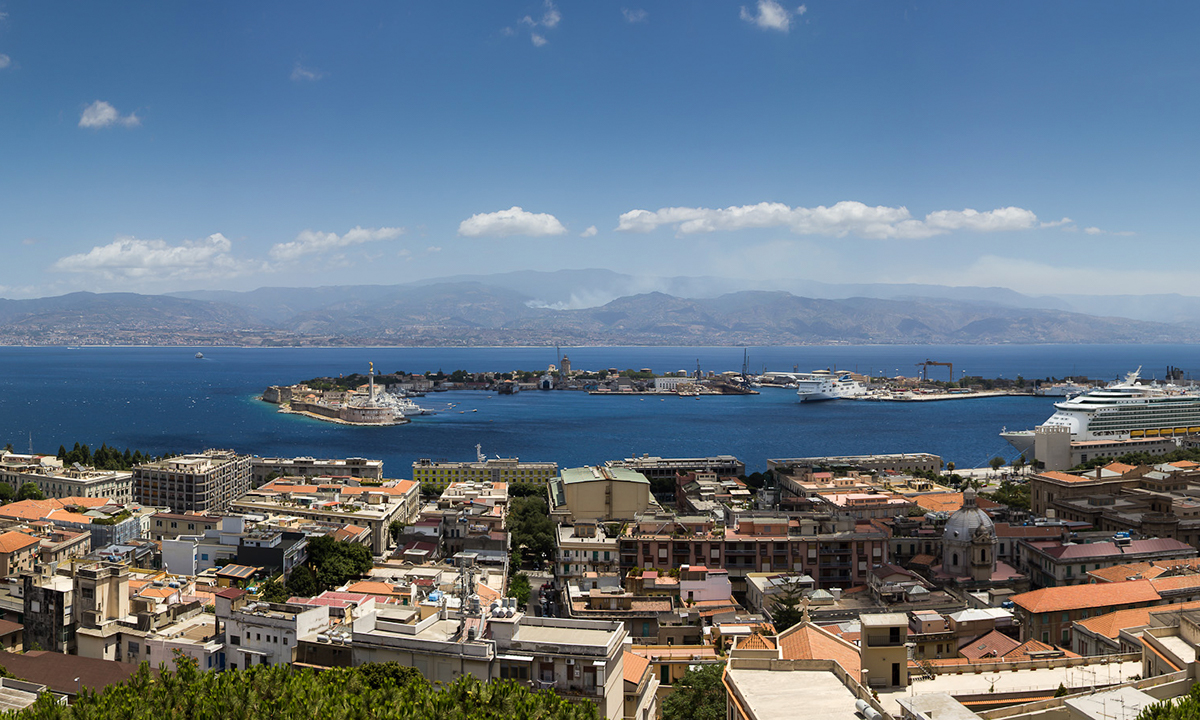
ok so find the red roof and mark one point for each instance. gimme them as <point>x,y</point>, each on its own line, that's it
<point>1094,595</point>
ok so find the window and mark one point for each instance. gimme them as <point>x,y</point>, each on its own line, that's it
<point>235,640</point>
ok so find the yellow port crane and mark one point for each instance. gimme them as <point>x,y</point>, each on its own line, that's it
<point>925,368</point>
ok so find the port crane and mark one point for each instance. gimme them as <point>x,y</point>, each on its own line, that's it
<point>925,368</point>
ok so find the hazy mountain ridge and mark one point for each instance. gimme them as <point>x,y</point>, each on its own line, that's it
<point>470,312</point>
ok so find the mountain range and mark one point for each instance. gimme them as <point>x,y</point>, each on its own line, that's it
<point>595,307</point>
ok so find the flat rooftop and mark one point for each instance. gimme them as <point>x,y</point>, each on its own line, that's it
<point>1048,679</point>
<point>788,695</point>
<point>562,635</point>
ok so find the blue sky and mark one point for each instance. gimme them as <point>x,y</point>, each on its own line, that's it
<point>152,147</point>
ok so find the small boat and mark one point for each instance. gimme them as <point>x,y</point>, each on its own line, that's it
<point>199,356</point>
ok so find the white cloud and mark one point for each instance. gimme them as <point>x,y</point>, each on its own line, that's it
<point>770,16</point>
<point>309,242</point>
<point>802,9</point>
<point>432,249</point>
<point>5,61</point>
<point>101,114</point>
<point>1098,231</point>
<point>634,16</point>
<point>844,218</point>
<point>301,73</point>
<point>513,221</point>
<point>590,232</point>
<point>550,19</point>
<point>128,258</point>
<point>1058,223</point>
<point>1093,231</point>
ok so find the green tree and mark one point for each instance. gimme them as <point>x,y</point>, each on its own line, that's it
<point>531,528</point>
<point>274,591</point>
<point>1013,494</point>
<point>395,528</point>
<point>950,467</point>
<point>699,695</point>
<point>30,491</point>
<point>282,692</point>
<point>996,463</point>
<point>302,582</point>
<point>786,606</point>
<point>1019,464</point>
<point>520,589</point>
<point>6,493</point>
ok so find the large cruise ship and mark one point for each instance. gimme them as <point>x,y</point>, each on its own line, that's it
<point>825,385</point>
<point>1121,411</point>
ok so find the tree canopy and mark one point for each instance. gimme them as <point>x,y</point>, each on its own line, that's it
<point>531,528</point>
<point>337,561</point>
<point>280,692</point>
<point>30,491</point>
<point>699,695</point>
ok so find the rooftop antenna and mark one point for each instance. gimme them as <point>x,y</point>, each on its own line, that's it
<point>479,456</point>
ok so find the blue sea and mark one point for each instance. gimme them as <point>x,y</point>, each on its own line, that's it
<point>165,400</point>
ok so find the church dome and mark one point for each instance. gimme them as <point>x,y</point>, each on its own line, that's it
<point>962,525</point>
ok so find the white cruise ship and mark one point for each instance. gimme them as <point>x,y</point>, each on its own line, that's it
<point>825,385</point>
<point>1121,411</point>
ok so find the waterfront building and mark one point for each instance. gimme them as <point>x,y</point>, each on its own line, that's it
<point>201,483</point>
<point>496,470</point>
<point>873,464</point>
<point>355,467</point>
<point>1150,500</point>
<point>56,481</point>
<point>659,468</point>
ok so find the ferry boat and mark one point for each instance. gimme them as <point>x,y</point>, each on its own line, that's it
<point>1123,410</point>
<point>199,356</point>
<point>826,385</point>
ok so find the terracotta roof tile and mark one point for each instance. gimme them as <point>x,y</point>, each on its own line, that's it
<point>809,642</point>
<point>1025,649</point>
<point>1175,582</point>
<point>635,667</point>
<point>993,645</point>
<point>1119,467</point>
<point>756,642</point>
<point>1118,573</point>
<point>14,541</point>
<point>1064,477</point>
<point>1094,595</point>
<point>949,502</point>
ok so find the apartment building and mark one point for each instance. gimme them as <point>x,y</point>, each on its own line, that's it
<point>56,481</point>
<point>262,468</point>
<point>205,482</point>
<point>338,500</point>
<point>834,552</point>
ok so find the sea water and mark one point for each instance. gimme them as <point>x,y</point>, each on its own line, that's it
<point>166,400</point>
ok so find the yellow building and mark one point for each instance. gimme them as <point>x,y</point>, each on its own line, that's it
<point>506,470</point>
<point>599,493</point>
